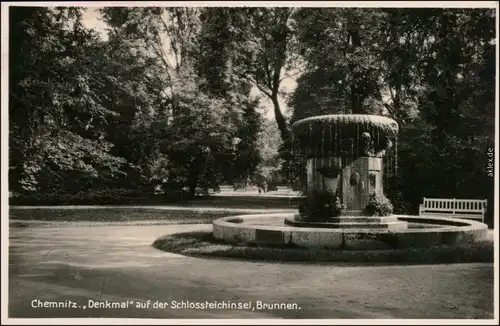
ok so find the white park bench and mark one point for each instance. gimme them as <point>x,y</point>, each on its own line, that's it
<point>458,208</point>
<point>283,189</point>
<point>201,191</point>
<point>226,188</point>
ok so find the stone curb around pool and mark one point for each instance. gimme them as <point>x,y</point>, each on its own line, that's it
<point>233,230</point>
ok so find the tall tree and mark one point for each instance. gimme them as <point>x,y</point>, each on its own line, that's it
<point>458,95</point>
<point>57,118</point>
<point>262,54</point>
<point>214,59</point>
<point>169,37</point>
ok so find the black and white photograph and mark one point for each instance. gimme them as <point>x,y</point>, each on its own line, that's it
<point>250,162</point>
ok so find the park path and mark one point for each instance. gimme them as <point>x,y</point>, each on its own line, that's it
<point>161,207</point>
<point>118,263</point>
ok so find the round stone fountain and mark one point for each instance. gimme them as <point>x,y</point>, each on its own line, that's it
<point>347,157</point>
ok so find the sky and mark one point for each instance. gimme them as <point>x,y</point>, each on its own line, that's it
<point>91,19</point>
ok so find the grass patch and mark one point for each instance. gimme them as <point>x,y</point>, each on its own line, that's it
<point>250,201</point>
<point>202,243</point>
<point>118,215</point>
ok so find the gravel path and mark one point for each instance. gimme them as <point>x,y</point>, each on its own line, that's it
<point>118,264</point>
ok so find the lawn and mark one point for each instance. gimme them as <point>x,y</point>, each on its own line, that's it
<point>234,200</point>
<point>118,215</point>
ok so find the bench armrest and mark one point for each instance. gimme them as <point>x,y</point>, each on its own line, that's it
<point>421,209</point>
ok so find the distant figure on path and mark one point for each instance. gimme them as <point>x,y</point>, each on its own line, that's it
<point>247,182</point>
<point>264,186</point>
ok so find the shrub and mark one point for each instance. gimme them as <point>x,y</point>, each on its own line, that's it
<point>378,205</point>
<point>322,205</point>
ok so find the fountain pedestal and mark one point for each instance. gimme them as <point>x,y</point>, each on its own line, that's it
<point>353,182</point>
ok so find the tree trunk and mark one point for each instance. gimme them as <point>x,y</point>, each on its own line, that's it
<point>280,119</point>
<point>192,186</point>
<point>355,101</point>
<point>193,180</point>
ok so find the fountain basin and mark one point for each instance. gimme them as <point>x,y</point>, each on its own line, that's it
<point>351,222</point>
<point>421,232</point>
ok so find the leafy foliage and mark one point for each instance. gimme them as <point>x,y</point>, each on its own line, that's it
<point>341,47</point>
<point>322,205</point>
<point>262,53</point>
<point>57,116</point>
<point>130,111</point>
<point>378,205</point>
<point>203,112</point>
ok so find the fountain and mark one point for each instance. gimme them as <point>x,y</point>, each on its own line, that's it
<point>345,207</point>
<point>345,156</point>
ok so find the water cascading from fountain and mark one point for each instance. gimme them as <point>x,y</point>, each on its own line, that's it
<point>353,167</point>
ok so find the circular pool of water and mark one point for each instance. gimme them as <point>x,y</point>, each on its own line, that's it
<point>422,232</point>
<point>272,221</point>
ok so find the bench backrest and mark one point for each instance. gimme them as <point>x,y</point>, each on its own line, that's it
<point>226,188</point>
<point>455,205</point>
